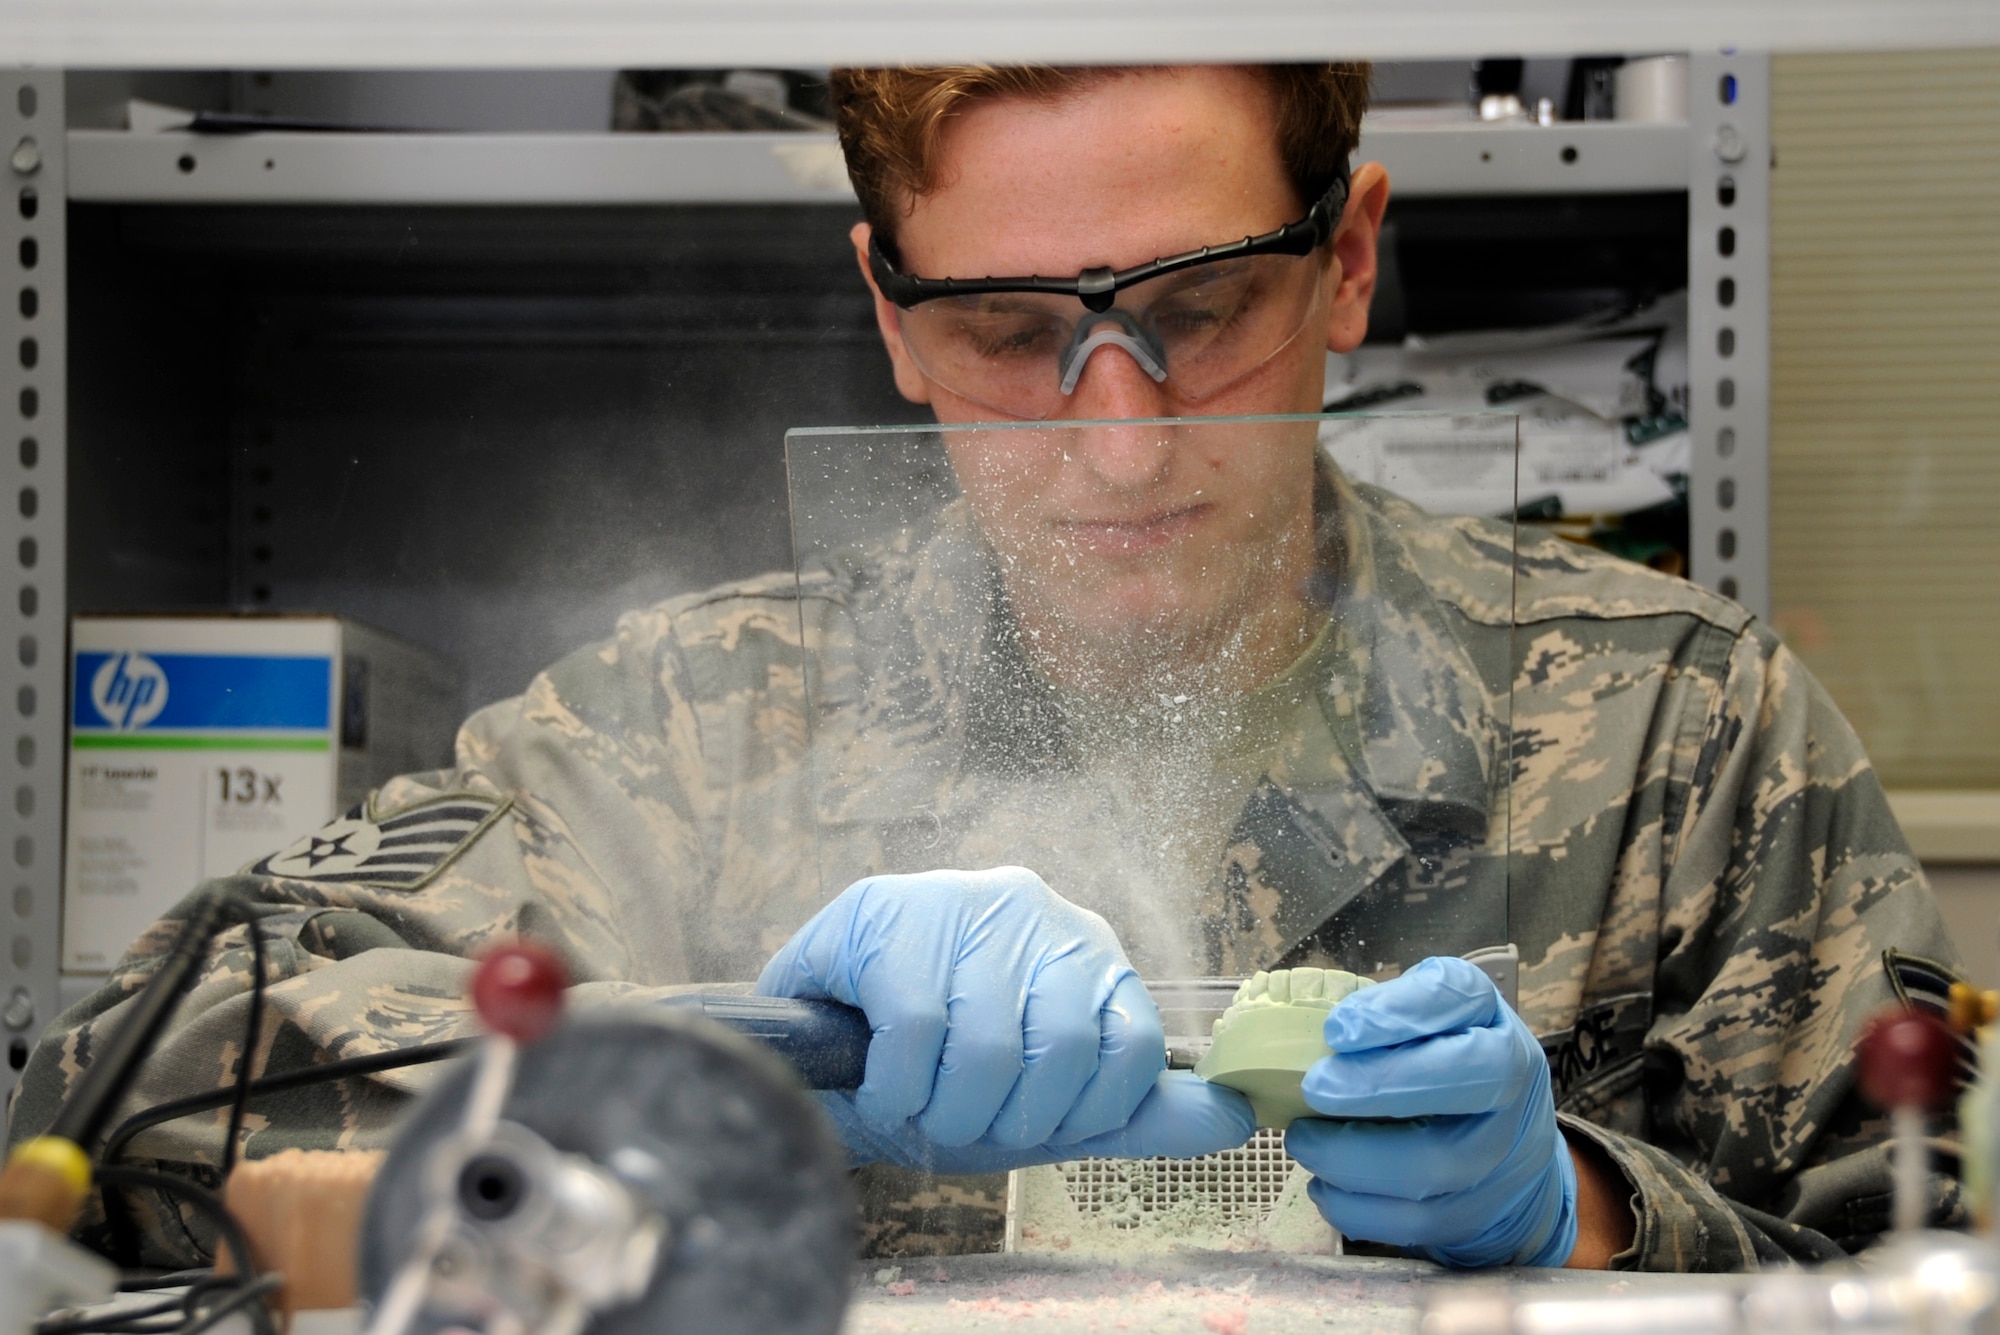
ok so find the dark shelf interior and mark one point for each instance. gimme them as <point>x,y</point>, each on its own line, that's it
<point>487,430</point>
<point>490,430</point>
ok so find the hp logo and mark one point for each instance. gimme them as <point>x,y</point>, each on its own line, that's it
<point>129,691</point>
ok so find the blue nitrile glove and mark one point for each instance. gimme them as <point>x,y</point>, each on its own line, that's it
<point>1009,1028</point>
<point>1482,1176</point>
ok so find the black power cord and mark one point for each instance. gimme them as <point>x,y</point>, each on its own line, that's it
<point>124,1232</point>
<point>103,1085</point>
<point>247,1297</point>
<point>253,1034</point>
<point>206,1203</point>
<point>121,1179</point>
<point>245,1289</point>
<point>172,1279</point>
<point>104,1082</point>
<point>346,1068</point>
<point>155,1006</point>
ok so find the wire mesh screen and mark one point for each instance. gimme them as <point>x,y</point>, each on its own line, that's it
<point>1251,1198</point>
<point>1242,1184</point>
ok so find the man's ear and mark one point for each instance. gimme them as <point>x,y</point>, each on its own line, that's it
<point>1354,243</point>
<point>910,382</point>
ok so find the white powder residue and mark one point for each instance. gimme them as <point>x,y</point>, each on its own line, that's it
<point>1191,1292</point>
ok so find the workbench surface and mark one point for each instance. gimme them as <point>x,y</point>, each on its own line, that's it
<point>1196,1292</point>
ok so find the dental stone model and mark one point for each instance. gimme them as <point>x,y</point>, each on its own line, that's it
<point>1272,1034</point>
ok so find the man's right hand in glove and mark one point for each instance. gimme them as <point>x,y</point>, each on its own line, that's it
<point>1009,1029</point>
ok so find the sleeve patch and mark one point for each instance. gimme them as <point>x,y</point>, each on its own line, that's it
<point>395,850</point>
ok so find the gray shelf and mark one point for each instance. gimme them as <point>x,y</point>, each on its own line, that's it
<point>435,34</point>
<point>111,166</point>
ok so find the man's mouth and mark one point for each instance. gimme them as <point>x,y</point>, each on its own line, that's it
<point>1126,536</point>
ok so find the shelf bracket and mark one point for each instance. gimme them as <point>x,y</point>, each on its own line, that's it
<point>33,404</point>
<point>1729,324</point>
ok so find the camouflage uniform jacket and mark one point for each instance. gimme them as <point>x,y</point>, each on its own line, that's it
<point>1707,887</point>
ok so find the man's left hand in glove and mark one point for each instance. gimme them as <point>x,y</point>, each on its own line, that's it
<point>1446,1139</point>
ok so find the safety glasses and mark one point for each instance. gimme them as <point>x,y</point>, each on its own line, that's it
<point>1199,322</point>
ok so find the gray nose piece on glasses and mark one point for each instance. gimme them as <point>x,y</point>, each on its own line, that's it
<point>1112,328</point>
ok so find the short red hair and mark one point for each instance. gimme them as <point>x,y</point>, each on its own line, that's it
<point>892,122</point>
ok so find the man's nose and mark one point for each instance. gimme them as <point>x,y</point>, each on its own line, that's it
<point>1114,387</point>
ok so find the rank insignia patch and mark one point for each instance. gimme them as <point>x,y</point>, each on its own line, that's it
<point>396,850</point>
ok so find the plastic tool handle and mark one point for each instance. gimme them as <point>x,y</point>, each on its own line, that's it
<point>825,1042</point>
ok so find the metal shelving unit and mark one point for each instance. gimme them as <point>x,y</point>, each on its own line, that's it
<point>1729,325</point>
<point>33,389</point>
<point>108,166</point>
<point>1720,159</point>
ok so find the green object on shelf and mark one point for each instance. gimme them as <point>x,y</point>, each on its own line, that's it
<point>1271,1035</point>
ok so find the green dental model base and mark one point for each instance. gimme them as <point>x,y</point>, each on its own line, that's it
<point>1271,1035</point>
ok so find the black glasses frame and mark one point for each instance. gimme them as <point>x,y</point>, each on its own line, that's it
<point>1098,288</point>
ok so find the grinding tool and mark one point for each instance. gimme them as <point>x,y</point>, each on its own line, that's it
<point>631,1171</point>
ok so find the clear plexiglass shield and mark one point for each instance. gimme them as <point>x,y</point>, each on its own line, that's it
<point>1224,681</point>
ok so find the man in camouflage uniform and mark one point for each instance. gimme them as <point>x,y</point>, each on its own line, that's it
<point>1700,869</point>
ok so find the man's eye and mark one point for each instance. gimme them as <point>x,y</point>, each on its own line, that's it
<point>1010,338</point>
<point>1206,312</point>
<point>1191,319</point>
